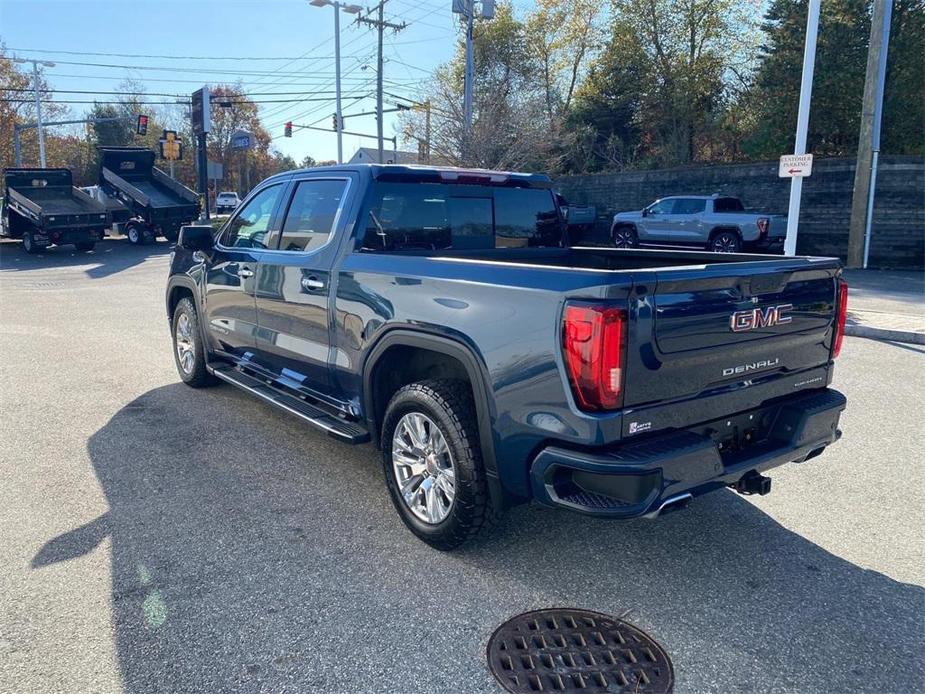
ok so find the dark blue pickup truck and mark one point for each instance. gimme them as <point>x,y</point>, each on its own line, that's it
<point>442,315</point>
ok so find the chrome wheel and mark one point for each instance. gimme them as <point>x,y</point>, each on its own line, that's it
<point>423,468</point>
<point>186,348</point>
<point>725,243</point>
<point>134,234</point>
<point>27,242</point>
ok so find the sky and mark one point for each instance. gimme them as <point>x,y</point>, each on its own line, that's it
<point>272,46</point>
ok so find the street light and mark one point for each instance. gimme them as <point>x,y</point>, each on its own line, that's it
<point>349,9</point>
<point>38,101</point>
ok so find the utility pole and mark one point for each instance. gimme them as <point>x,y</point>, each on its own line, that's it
<point>427,132</point>
<point>469,74</point>
<point>350,9</point>
<point>381,25</point>
<point>38,102</point>
<point>806,91</point>
<point>865,173</point>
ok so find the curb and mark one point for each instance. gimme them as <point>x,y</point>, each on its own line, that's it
<point>885,334</point>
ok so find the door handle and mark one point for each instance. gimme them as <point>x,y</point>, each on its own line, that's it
<point>312,283</point>
<point>244,272</point>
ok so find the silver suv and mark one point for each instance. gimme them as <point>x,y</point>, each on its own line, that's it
<point>717,223</point>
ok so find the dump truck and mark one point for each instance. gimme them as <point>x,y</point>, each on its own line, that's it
<point>158,204</point>
<point>42,207</point>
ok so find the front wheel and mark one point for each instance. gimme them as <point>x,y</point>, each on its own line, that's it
<point>433,465</point>
<point>726,242</point>
<point>188,350</point>
<point>29,243</point>
<point>624,236</point>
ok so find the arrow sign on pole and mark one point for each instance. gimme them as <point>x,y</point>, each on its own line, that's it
<point>795,166</point>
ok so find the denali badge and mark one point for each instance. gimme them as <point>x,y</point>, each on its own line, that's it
<point>740,321</point>
<point>754,366</point>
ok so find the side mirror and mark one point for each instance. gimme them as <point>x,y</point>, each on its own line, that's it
<point>645,211</point>
<point>196,238</point>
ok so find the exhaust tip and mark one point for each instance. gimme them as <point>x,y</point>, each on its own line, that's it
<point>673,503</point>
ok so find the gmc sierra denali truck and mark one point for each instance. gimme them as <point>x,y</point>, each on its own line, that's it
<point>442,315</point>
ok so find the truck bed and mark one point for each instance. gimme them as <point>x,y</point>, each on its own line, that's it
<point>600,259</point>
<point>159,196</point>
<point>54,201</point>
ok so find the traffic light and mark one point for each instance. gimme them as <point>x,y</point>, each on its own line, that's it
<point>288,132</point>
<point>334,120</point>
<point>141,127</point>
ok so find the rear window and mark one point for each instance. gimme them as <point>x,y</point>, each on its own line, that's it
<point>728,205</point>
<point>430,216</point>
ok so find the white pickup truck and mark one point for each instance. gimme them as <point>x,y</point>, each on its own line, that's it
<point>717,223</point>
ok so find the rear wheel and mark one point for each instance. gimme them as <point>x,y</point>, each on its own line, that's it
<point>433,465</point>
<point>135,233</point>
<point>85,245</point>
<point>171,235</point>
<point>624,236</point>
<point>188,350</point>
<point>725,242</point>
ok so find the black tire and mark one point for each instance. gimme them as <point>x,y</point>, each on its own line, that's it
<point>85,245</point>
<point>725,241</point>
<point>135,233</point>
<point>171,235</point>
<point>624,236</point>
<point>30,245</point>
<point>449,405</point>
<point>196,376</point>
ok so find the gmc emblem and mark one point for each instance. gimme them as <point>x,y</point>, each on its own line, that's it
<point>740,321</point>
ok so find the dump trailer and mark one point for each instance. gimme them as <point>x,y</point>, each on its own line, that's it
<point>159,205</point>
<point>42,207</point>
<point>119,213</point>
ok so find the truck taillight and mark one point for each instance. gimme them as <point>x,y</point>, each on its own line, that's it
<point>594,340</point>
<point>841,315</point>
<point>764,224</point>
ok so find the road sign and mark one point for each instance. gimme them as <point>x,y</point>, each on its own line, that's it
<point>795,166</point>
<point>171,147</point>
<point>201,111</point>
<point>241,140</point>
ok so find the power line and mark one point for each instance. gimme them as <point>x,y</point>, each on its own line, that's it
<point>304,56</point>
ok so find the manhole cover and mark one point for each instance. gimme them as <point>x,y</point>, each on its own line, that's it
<point>562,650</point>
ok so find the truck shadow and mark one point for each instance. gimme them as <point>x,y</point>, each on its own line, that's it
<point>250,554</point>
<point>110,257</point>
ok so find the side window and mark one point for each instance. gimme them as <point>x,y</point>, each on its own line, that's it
<point>406,217</point>
<point>526,217</point>
<point>689,206</point>
<point>249,228</point>
<point>728,205</point>
<point>311,216</point>
<point>661,207</point>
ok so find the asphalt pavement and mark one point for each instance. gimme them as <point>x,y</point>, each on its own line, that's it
<point>155,538</point>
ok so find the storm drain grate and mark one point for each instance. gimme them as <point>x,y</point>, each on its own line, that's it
<point>561,650</point>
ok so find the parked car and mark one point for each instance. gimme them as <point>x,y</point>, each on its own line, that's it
<point>43,207</point>
<point>226,202</point>
<point>717,223</point>
<point>438,314</point>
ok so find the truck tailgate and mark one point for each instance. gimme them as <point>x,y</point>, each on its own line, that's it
<point>723,327</point>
